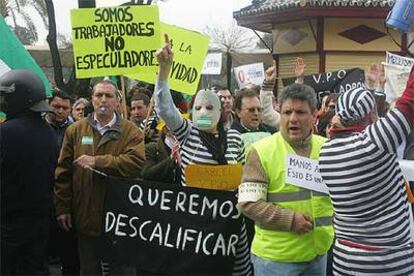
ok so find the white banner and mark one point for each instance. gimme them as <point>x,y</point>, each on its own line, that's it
<point>251,73</point>
<point>394,59</point>
<point>212,64</point>
<point>397,77</point>
<point>304,172</point>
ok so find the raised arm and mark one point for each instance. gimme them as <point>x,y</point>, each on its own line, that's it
<point>299,70</point>
<point>270,116</point>
<point>164,104</point>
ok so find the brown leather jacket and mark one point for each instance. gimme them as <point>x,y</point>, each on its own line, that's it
<point>80,192</point>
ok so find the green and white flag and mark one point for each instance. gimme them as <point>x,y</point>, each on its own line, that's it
<point>13,55</point>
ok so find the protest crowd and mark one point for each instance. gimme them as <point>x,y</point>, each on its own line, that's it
<point>255,181</point>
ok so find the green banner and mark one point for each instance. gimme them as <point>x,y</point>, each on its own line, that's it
<point>115,40</point>
<point>190,49</point>
<point>13,55</point>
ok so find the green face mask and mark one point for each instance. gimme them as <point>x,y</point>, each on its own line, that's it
<point>204,122</point>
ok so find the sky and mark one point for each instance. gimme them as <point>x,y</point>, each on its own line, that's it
<point>190,14</point>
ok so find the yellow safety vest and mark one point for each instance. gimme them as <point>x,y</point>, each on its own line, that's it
<point>283,246</point>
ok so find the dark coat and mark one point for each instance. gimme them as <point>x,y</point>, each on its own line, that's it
<point>80,192</point>
<point>29,152</point>
<point>158,165</point>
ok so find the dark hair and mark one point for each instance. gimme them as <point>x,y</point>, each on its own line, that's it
<point>301,92</point>
<point>244,93</point>
<point>331,97</point>
<point>140,97</point>
<point>139,90</point>
<point>217,88</point>
<point>61,94</point>
<point>106,82</point>
<point>324,122</point>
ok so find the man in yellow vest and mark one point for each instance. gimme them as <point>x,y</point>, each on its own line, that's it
<point>293,224</point>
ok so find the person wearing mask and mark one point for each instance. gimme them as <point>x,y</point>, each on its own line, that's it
<point>78,109</point>
<point>103,142</point>
<point>203,140</point>
<point>293,224</point>
<point>28,157</point>
<point>373,221</point>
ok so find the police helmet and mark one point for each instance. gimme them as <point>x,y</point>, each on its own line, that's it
<point>21,90</point>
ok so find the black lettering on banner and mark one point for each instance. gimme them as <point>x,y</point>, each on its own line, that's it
<point>163,228</point>
<point>116,59</point>
<point>116,14</point>
<point>114,43</point>
<point>183,73</point>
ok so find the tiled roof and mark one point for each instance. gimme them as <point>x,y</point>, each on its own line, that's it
<point>265,6</point>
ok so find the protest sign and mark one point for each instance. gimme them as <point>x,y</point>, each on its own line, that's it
<point>190,49</point>
<point>396,79</point>
<point>13,55</point>
<point>168,229</point>
<point>304,172</point>
<point>394,59</point>
<point>332,82</point>
<point>212,64</point>
<point>251,73</point>
<point>115,40</point>
<point>218,177</point>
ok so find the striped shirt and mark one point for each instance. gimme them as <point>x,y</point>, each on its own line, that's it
<point>370,202</point>
<point>192,151</point>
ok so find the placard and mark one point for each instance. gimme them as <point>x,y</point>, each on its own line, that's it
<point>190,49</point>
<point>168,229</point>
<point>251,73</point>
<point>111,41</point>
<point>332,82</point>
<point>212,64</point>
<point>394,59</point>
<point>217,177</point>
<point>304,172</point>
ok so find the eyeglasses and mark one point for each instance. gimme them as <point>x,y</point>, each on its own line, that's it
<point>253,109</point>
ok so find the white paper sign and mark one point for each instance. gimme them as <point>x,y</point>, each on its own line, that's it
<point>394,59</point>
<point>397,77</point>
<point>304,172</point>
<point>252,192</point>
<point>251,73</point>
<point>212,64</point>
<point>407,168</point>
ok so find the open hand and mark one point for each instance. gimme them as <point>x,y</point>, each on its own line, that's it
<point>372,72</point>
<point>299,67</point>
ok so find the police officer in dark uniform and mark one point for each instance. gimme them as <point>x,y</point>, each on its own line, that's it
<point>28,156</point>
